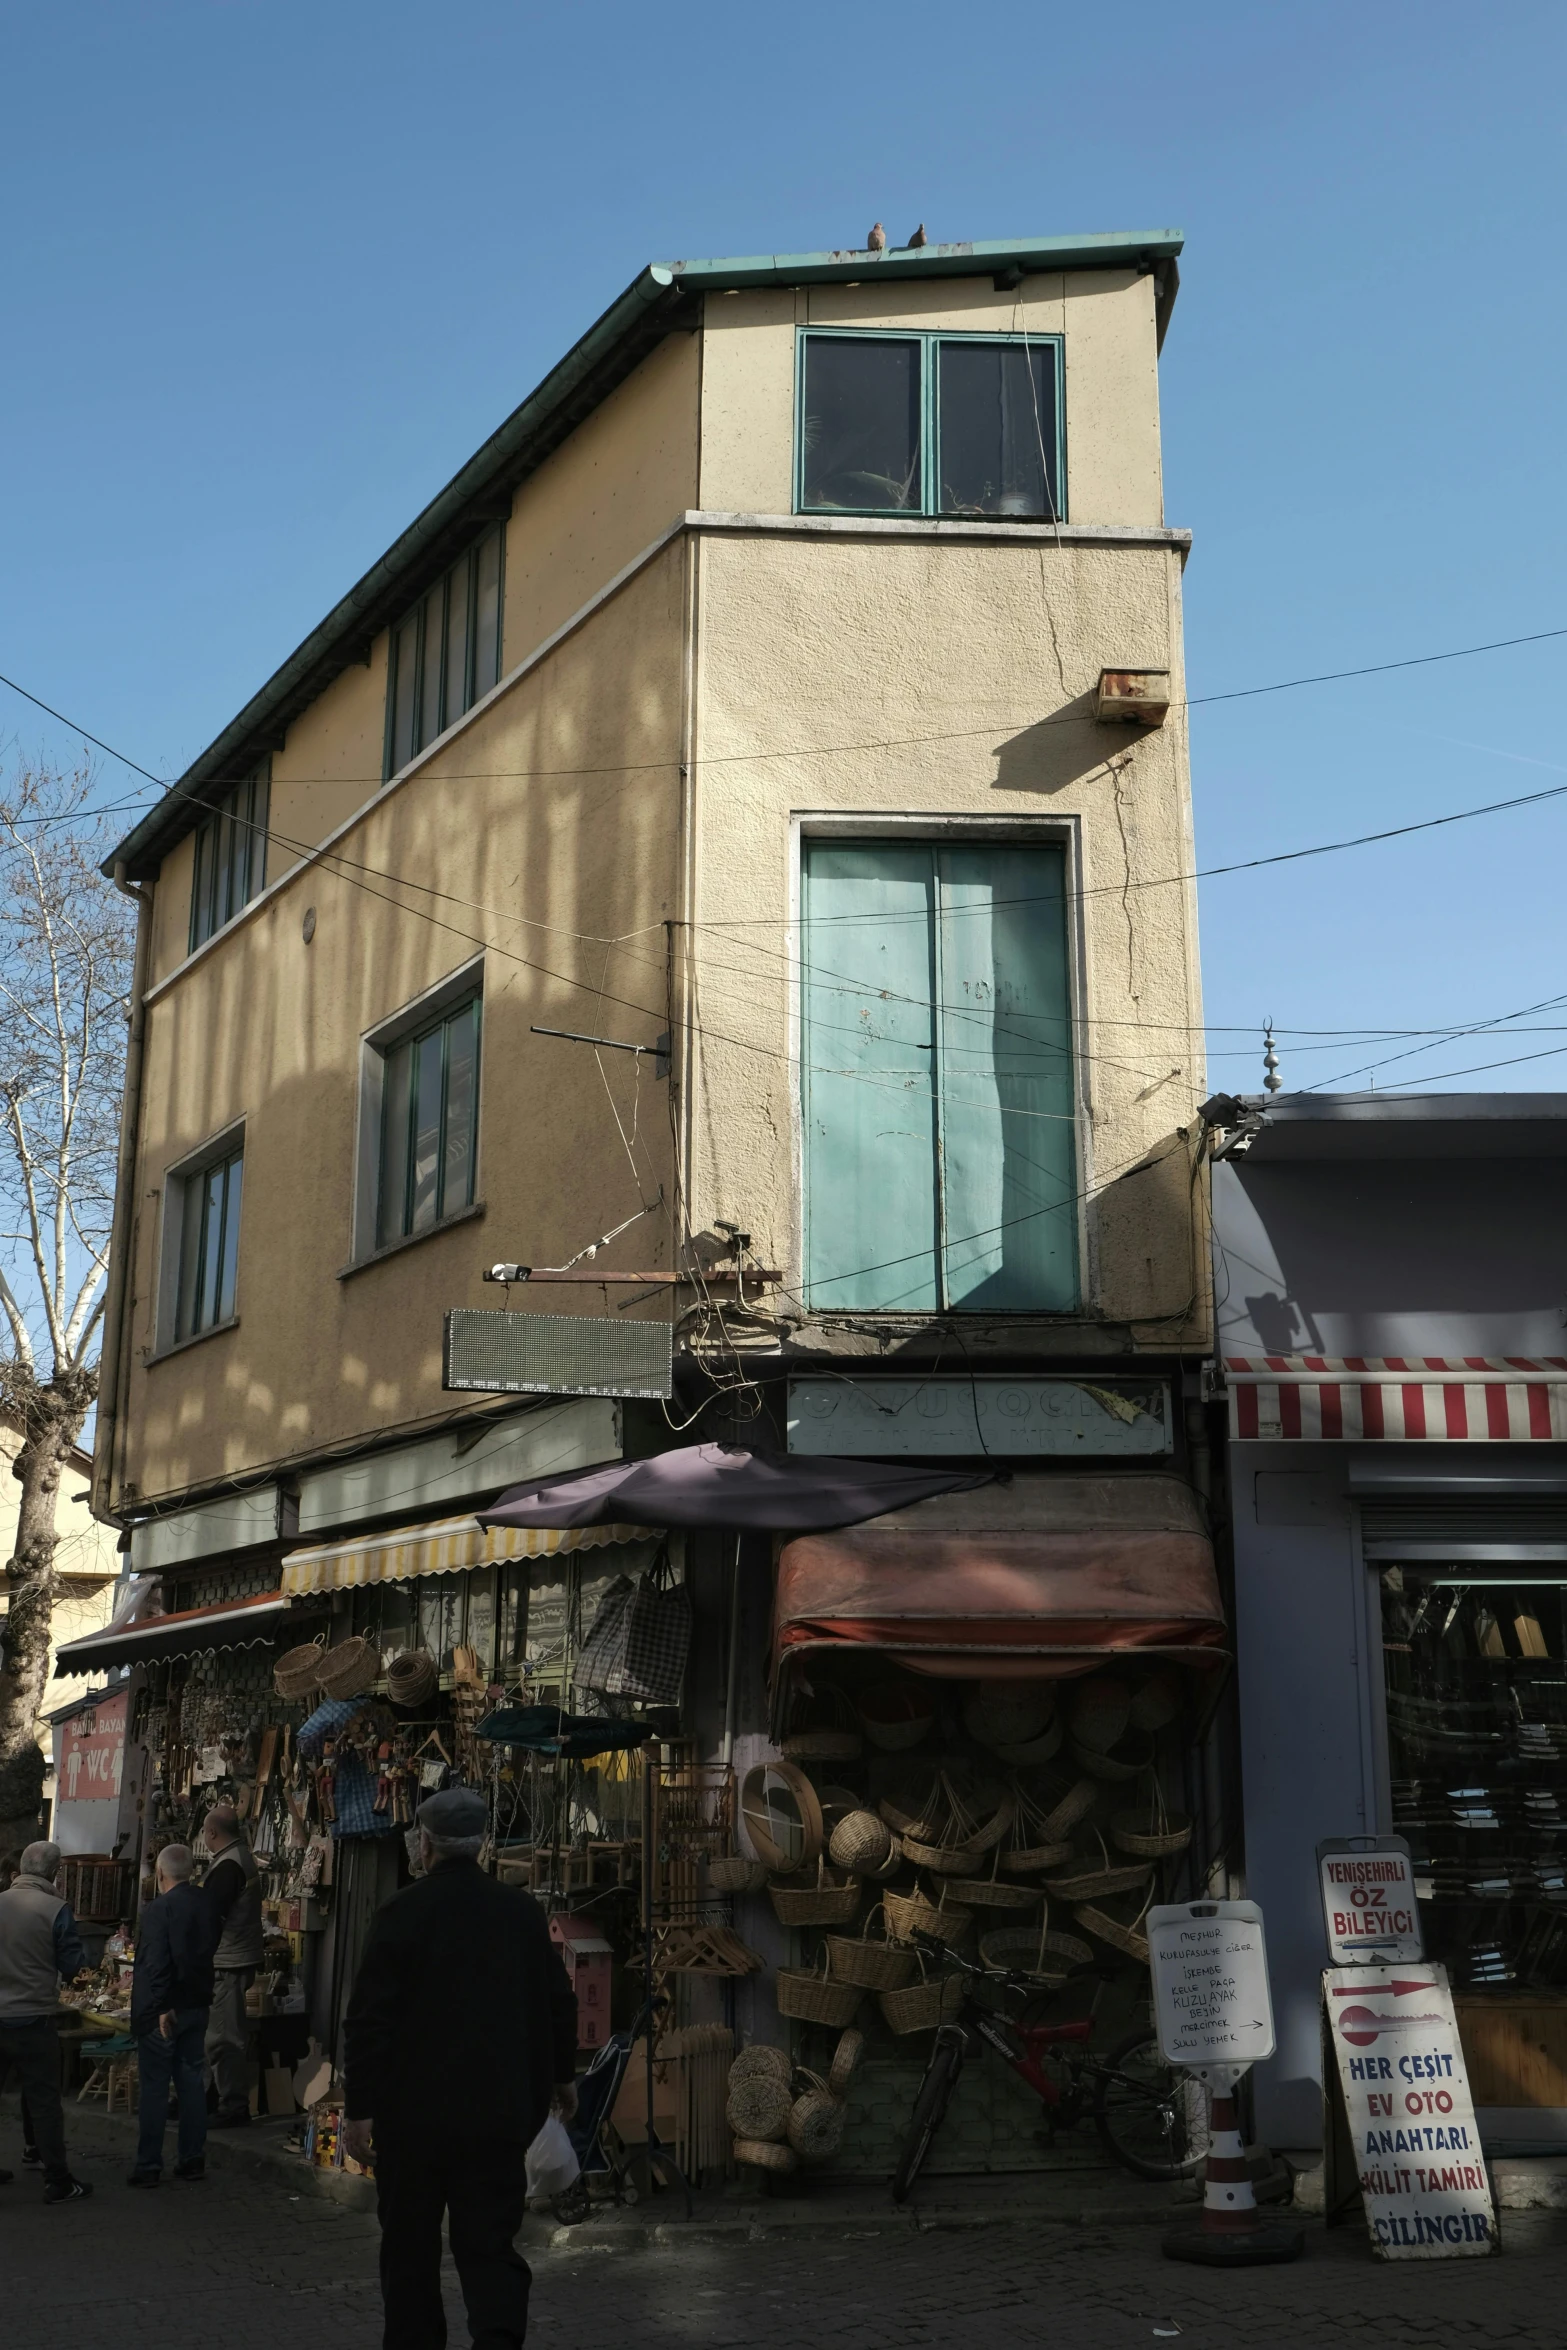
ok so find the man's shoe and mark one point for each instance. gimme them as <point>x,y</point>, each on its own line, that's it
<point>232,2117</point>
<point>143,2178</point>
<point>66,2191</point>
<point>196,2168</point>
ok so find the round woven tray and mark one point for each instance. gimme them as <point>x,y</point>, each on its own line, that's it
<point>758,2105</point>
<point>765,2154</point>
<point>784,1844</point>
<point>1035,1750</point>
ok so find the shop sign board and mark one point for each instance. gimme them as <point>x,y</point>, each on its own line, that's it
<point>92,1752</point>
<point>1050,1417</point>
<point>1210,1984</point>
<point>1410,2116</point>
<point>1368,1900</point>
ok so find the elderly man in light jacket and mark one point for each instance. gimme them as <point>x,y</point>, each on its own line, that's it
<point>39,1946</point>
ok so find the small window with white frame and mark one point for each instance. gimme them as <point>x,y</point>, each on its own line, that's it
<point>419,1115</point>
<point>199,1285</point>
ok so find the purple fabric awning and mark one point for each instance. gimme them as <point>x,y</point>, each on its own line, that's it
<point>724,1485</point>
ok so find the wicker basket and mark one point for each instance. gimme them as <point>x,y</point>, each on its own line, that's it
<point>816,2121</point>
<point>1114,1769</point>
<point>813,1997</point>
<point>350,1668</point>
<point>412,1676</point>
<point>1155,1835</point>
<point>944,1860</point>
<point>1091,1880</point>
<point>845,2062</point>
<point>1030,1860</point>
<point>895,1719</point>
<point>829,1900</point>
<point>995,1893</point>
<point>861,1842</point>
<point>1049,1958</point>
<point>933,2000</point>
<point>765,2154</point>
<point>1075,1805</point>
<point>758,2106</point>
<point>1123,1934</point>
<point>733,1873</point>
<point>819,1746</point>
<point>870,1962</point>
<point>912,1913</point>
<point>298,1673</point>
<point>1008,1713</point>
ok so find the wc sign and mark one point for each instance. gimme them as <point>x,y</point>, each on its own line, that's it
<point>1368,1900</point>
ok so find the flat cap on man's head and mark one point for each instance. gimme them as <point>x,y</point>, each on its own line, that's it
<point>456,1813</point>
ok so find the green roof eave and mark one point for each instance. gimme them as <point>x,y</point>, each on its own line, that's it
<point>664,297</point>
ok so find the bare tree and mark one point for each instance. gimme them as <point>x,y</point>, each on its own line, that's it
<point>65,968</point>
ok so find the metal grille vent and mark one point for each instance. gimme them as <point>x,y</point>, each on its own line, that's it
<point>556,1354</point>
<point>1508,1526</point>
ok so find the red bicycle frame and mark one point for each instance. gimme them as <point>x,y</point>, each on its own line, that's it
<point>1037,2039</point>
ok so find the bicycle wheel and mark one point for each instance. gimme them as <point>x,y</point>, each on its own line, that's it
<point>930,2107</point>
<point>1152,2117</point>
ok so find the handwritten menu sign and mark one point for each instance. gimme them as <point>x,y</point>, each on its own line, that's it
<point>1210,1984</point>
<point>1410,2116</point>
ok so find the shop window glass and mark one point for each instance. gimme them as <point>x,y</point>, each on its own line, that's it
<point>1476,1676</point>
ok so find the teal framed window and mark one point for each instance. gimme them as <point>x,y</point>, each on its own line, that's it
<point>429,1124</point>
<point>231,856</point>
<point>209,1246</point>
<point>446,652</point>
<point>937,1081</point>
<point>929,423</point>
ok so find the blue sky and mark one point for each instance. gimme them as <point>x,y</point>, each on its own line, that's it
<point>271,273</point>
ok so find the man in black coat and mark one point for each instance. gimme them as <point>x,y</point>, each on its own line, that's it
<point>171,1991</point>
<point>461,2033</point>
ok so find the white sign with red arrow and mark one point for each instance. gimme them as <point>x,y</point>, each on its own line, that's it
<point>1406,2099</point>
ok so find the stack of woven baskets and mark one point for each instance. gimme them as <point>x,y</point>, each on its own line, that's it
<point>781,2116</point>
<point>347,1670</point>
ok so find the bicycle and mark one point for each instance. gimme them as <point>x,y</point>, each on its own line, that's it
<point>1151,2118</point>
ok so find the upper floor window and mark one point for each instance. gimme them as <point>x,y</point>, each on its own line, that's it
<point>446,654</point>
<point>231,856</point>
<point>929,424</point>
<point>199,1280</point>
<point>937,1082</point>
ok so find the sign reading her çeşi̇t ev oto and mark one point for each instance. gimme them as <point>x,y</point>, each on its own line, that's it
<point>1368,1899</point>
<point>1210,1984</point>
<point>1406,2100</point>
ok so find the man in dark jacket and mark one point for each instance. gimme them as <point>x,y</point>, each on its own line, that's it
<point>461,2033</point>
<point>233,1888</point>
<point>171,1991</point>
<point>39,1945</point>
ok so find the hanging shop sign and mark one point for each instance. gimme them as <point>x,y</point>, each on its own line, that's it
<point>1409,2115</point>
<point>1368,1900</point>
<point>921,1417</point>
<point>1210,1984</point>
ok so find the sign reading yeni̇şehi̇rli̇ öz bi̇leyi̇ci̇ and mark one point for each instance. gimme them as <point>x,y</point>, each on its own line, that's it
<point>1410,2115</point>
<point>1368,1899</point>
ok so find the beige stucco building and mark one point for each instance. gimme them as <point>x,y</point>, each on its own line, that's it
<point>693,651</point>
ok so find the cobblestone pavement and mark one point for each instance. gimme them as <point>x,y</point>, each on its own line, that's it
<point>241,2262</point>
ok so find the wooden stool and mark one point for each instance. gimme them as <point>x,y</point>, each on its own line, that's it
<point>111,2073</point>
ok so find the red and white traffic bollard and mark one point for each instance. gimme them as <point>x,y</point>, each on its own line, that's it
<point>1232,2232</point>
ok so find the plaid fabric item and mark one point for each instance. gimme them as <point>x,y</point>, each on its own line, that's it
<point>325,1722</point>
<point>639,1641</point>
<point>353,1792</point>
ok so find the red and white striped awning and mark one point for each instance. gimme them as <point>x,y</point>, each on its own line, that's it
<point>1424,1399</point>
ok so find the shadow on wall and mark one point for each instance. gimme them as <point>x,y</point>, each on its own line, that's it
<point>1055,751</point>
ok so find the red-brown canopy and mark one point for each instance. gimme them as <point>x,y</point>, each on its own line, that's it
<point>1035,1579</point>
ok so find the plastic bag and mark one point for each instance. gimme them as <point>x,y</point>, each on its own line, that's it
<point>552,2161</point>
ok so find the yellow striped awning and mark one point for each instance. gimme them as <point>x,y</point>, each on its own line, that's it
<point>448,1546</point>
